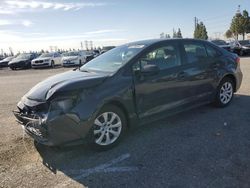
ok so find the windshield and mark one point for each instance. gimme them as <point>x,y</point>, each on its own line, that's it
<point>219,42</point>
<point>244,42</point>
<point>23,56</point>
<point>47,55</point>
<point>112,60</point>
<point>70,54</point>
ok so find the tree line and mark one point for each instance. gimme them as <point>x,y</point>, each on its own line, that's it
<point>240,25</point>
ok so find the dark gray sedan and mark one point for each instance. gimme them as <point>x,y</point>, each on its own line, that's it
<point>129,85</point>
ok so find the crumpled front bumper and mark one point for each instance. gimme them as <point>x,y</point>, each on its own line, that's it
<point>52,128</point>
<point>33,126</point>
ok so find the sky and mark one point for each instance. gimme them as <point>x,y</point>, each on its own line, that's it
<point>38,24</point>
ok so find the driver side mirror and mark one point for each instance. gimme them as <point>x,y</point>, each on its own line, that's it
<point>149,70</point>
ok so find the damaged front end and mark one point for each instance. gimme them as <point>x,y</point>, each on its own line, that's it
<point>33,119</point>
<point>52,122</point>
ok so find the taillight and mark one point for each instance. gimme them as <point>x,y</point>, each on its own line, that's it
<point>237,60</point>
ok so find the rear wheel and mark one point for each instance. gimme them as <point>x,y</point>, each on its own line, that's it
<point>225,93</point>
<point>108,128</point>
<point>80,62</point>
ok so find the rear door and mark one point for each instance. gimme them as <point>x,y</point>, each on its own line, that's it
<point>199,70</point>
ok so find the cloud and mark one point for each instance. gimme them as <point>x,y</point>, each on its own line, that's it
<point>3,11</point>
<point>11,6</point>
<point>6,22</point>
<point>102,31</point>
<point>26,23</point>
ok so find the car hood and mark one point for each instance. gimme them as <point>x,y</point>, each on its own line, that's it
<point>69,57</point>
<point>42,58</point>
<point>68,81</point>
<point>17,60</point>
<point>4,61</point>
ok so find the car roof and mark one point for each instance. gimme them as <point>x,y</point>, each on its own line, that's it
<point>154,41</point>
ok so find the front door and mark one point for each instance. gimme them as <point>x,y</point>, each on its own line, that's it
<point>164,90</point>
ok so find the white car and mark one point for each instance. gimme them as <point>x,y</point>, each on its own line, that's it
<point>47,60</point>
<point>74,58</point>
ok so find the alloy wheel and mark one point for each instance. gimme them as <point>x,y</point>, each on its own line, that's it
<point>226,92</point>
<point>107,128</point>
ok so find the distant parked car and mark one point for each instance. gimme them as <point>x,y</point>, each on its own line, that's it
<point>47,60</point>
<point>4,62</point>
<point>22,61</point>
<point>106,48</point>
<point>241,47</point>
<point>96,53</point>
<point>74,58</point>
<point>222,44</point>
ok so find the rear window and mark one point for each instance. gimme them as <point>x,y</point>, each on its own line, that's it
<point>195,52</point>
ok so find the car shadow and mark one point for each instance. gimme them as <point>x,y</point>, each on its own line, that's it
<point>204,136</point>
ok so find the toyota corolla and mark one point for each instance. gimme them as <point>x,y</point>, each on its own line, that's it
<point>129,85</point>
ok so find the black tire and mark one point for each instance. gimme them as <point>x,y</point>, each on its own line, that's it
<point>80,62</point>
<point>241,53</point>
<point>219,102</point>
<point>93,138</point>
<point>12,68</point>
<point>52,64</point>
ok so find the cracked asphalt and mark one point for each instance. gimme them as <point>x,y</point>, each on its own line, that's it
<point>204,147</point>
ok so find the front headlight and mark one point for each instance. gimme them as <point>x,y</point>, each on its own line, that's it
<point>63,104</point>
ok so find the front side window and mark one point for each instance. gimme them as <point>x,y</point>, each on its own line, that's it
<point>164,57</point>
<point>195,53</point>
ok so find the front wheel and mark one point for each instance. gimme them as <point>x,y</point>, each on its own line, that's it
<point>108,128</point>
<point>52,64</point>
<point>225,93</point>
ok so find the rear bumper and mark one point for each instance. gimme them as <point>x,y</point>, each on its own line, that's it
<point>239,77</point>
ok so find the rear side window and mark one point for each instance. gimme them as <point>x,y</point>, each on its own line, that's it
<point>195,52</point>
<point>212,52</point>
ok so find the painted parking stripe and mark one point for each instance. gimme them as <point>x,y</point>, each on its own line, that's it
<point>105,168</point>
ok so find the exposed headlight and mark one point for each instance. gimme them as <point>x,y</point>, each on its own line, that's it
<point>63,104</point>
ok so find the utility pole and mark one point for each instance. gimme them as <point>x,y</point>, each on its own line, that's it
<point>238,10</point>
<point>195,22</point>
<point>81,45</point>
<point>91,44</point>
<point>86,44</point>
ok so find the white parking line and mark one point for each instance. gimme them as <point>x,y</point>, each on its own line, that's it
<point>83,173</point>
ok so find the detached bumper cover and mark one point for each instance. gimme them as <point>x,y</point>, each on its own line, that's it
<point>32,126</point>
<point>51,128</point>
